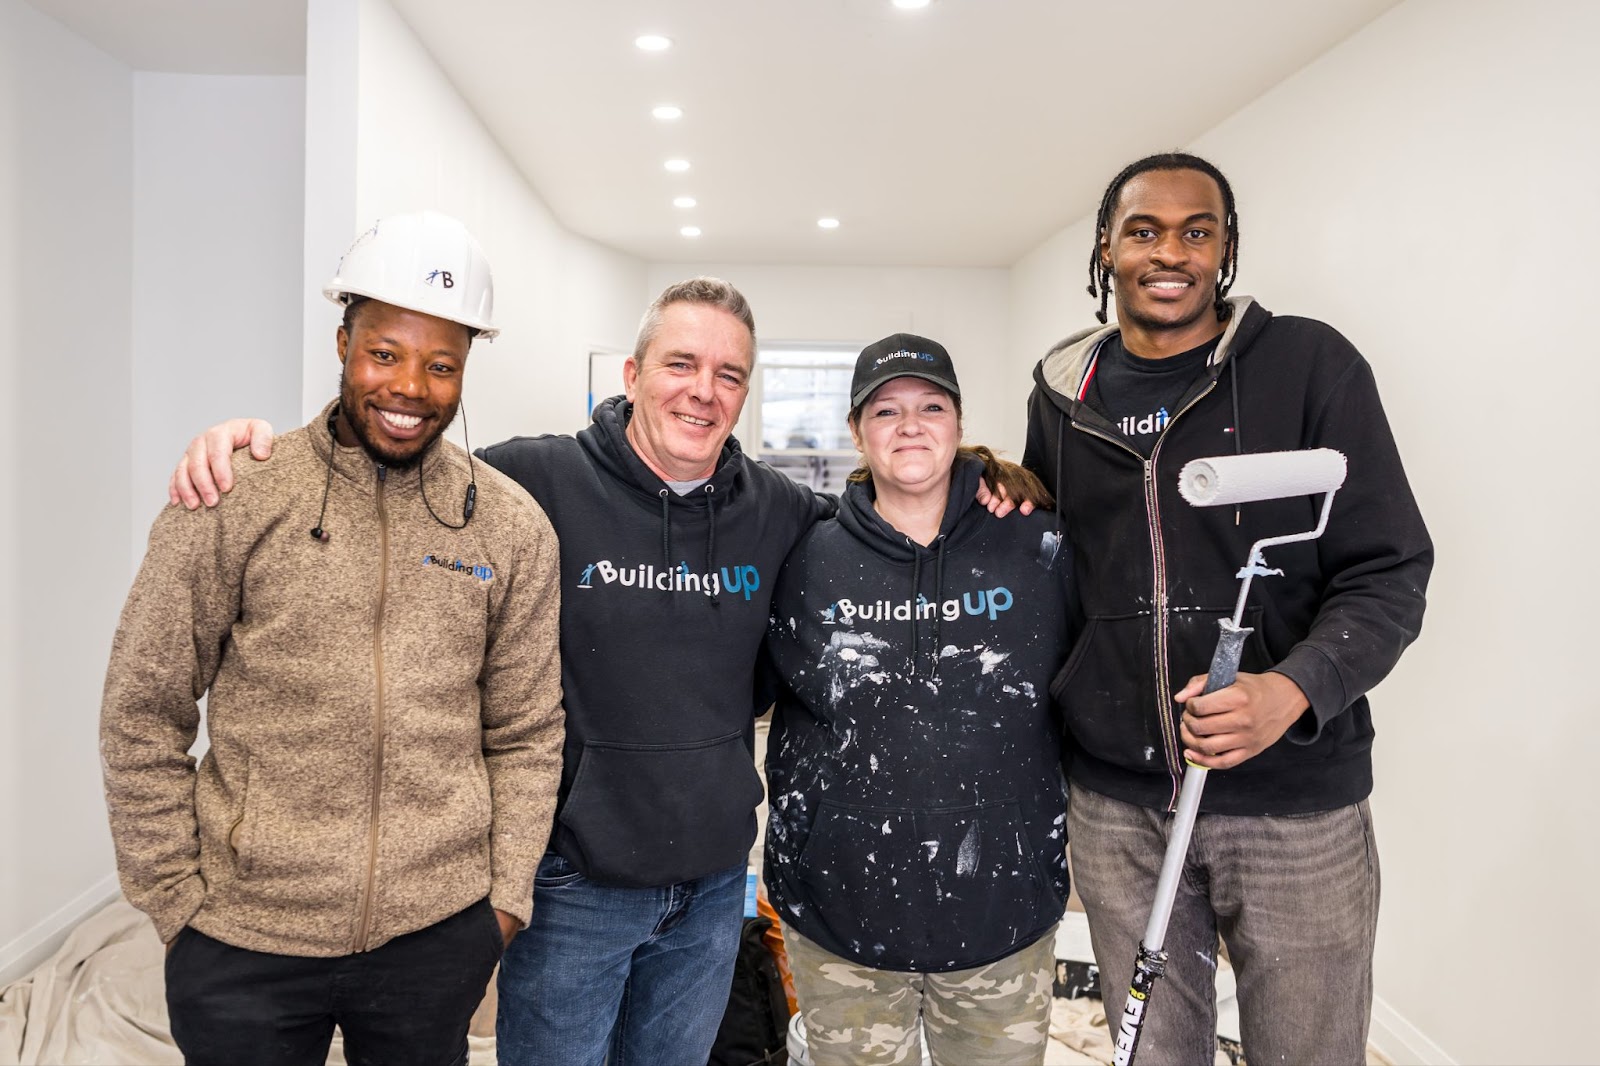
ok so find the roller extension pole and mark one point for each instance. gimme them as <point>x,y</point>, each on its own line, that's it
<point>1214,482</point>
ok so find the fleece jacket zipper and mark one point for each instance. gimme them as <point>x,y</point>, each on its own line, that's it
<point>364,929</point>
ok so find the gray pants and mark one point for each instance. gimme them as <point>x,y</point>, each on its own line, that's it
<point>994,1015</point>
<point>1295,899</point>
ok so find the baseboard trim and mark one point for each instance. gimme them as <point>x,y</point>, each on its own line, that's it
<point>1401,1042</point>
<point>25,952</point>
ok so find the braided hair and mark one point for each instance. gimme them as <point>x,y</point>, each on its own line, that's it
<point>1100,274</point>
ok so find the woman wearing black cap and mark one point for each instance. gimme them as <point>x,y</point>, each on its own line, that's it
<point>915,847</point>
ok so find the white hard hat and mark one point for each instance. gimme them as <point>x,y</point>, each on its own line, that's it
<point>425,261</point>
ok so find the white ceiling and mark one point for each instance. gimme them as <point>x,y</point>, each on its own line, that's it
<point>959,135</point>
<point>191,36</point>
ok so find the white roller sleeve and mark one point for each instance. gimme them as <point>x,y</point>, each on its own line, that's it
<point>1260,476</point>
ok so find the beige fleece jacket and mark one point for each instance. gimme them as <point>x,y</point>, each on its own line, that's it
<point>384,708</point>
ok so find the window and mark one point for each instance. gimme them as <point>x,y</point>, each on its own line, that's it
<point>795,417</point>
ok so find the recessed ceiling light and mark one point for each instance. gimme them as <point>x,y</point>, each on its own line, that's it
<point>683,201</point>
<point>667,112</point>
<point>909,5</point>
<point>677,166</point>
<point>690,231</point>
<point>828,223</point>
<point>654,42</point>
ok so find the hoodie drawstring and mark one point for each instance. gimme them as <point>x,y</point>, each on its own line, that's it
<point>1061,437</point>
<point>1238,430</point>
<point>666,537</point>
<point>711,535</point>
<point>938,598</point>
<point>916,607</point>
<point>916,582</point>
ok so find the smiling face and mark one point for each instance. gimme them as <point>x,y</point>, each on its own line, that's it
<point>401,382</point>
<point>1164,247</point>
<point>687,389</point>
<point>908,430</point>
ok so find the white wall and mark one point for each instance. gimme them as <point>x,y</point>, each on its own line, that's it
<point>965,309</point>
<point>1048,301</point>
<point>218,184</point>
<point>418,145</point>
<point>66,140</point>
<point>1428,187</point>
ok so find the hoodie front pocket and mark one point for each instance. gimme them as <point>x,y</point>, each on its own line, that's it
<point>652,814</point>
<point>926,889</point>
<point>1106,693</point>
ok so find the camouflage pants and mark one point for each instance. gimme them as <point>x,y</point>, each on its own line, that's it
<point>994,1015</point>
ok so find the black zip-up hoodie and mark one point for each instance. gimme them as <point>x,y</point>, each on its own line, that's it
<point>917,814</point>
<point>1155,574</point>
<point>664,602</point>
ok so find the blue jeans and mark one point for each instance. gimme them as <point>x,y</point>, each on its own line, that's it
<point>640,973</point>
<point>1294,897</point>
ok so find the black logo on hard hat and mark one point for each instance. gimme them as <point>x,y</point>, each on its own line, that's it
<point>443,277</point>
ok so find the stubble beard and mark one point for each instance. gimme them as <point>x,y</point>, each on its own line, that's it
<point>349,406</point>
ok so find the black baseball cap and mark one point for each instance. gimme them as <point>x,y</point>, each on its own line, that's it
<point>903,355</point>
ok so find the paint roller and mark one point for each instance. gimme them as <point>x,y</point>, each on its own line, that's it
<point>1215,482</point>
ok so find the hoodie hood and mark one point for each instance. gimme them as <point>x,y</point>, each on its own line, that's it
<point>1063,375</point>
<point>1064,371</point>
<point>858,515</point>
<point>606,442</point>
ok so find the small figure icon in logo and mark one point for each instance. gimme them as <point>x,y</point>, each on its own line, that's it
<point>442,277</point>
<point>588,572</point>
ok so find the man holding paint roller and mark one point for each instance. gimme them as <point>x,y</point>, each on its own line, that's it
<point>1282,862</point>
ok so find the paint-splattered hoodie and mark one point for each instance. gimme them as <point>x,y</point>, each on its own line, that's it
<point>913,770</point>
<point>664,602</point>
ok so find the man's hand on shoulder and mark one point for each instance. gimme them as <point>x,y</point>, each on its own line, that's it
<point>1223,729</point>
<point>206,469</point>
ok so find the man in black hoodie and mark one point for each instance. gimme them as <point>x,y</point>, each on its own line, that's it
<point>1282,863</point>
<point>670,543</point>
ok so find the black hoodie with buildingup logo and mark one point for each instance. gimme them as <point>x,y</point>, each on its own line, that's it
<point>664,602</point>
<point>917,811</point>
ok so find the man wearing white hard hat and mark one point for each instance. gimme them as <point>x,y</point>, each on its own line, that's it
<point>373,619</point>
